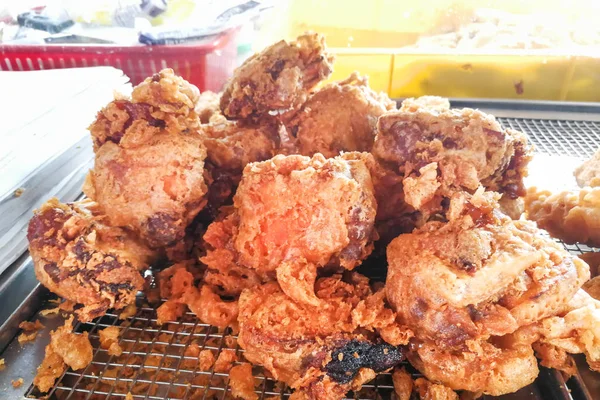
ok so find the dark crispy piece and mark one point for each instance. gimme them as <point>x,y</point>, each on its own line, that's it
<point>81,259</point>
<point>321,351</point>
<point>339,117</point>
<point>149,169</point>
<point>277,79</point>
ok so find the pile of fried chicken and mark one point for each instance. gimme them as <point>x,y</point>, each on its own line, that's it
<point>265,199</point>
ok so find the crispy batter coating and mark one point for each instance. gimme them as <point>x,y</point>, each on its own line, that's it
<point>464,284</point>
<point>66,347</point>
<point>339,117</point>
<point>109,340</point>
<point>478,275</point>
<point>432,103</point>
<point>481,367</point>
<point>593,260</point>
<point>577,329</point>
<point>318,350</point>
<point>149,169</point>
<point>208,106</point>
<point>291,215</point>
<point>225,360</point>
<point>588,173</point>
<point>572,216</point>
<point>81,259</point>
<point>421,388</point>
<point>277,79</point>
<point>241,382</point>
<point>230,146</point>
<point>440,151</point>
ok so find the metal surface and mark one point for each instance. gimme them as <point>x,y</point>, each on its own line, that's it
<point>155,364</point>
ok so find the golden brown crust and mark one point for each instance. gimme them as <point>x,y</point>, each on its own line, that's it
<point>292,212</point>
<point>339,117</point>
<point>66,347</point>
<point>296,341</point>
<point>588,173</point>
<point>81,259</point>
<point>208,106</point>
<point>461,148</point>
<point>572,216</point>
<point>241,381</point>
<point>278,78</point>
<point>149,169</point>
<point>478,275</point>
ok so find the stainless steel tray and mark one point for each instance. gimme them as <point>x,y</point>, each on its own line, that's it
<point>154,364</point>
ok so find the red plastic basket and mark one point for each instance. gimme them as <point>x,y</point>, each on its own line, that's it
<point>207,64</point>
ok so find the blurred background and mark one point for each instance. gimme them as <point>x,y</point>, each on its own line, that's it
<point>544,50</point>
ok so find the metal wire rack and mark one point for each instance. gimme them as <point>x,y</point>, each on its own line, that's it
<point>161,362</point>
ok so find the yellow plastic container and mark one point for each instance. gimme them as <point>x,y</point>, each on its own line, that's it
<point>370,39</point>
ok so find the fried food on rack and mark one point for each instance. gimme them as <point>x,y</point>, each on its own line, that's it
<point>83,260</point>
<point>208,105</point>
<point>292,215</point>
<point>109,340</point>
<point>321,351</point>
<point>593,260</point>
<point>478,276</point>
<point>571,216</point>
<point>421,388</point>
<point>149,169</point>
<point>588,173</point>
<point>230,146</point>
<point>277,79</point>
<point>65,349</point>
<point>241,382</point>
<point>439,151</point>
<point>576,328</point>
<point>431,103</point>
<point>339,117</point>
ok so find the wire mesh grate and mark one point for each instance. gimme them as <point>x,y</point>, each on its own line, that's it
<point>558,137</point>
<point>160,362</point>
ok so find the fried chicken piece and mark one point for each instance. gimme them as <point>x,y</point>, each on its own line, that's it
<point>439,151</point>
<point>208,106</point>
<point>66,347</point>
<point>588,173</point>
<point>241,382</point>
<point>480,367</point>
<point>83,260</point>
<point>593,260</point>
<point>465,285</point>
<point>278,78</point>
<point>480,274</point>
<point>293,214</point>
<point>149,168</point>
<point>592,287</point>
<point>321,351</point>
<point>230,146</point>
<point>339,117</point>
<point>571,216</point>
<point>405,388</point>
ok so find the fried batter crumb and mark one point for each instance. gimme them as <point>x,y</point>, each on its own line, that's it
<point>109,340</point>
<point>128,396</point>
<point>128,311</point>
<point>241,382</point>
<point>2,365</point>
<point>17,383</point>
<point>30,330</point>
<point>18,192</point>
<point>207,359</point>
<point>225,360</point>
<point>49,311</point>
